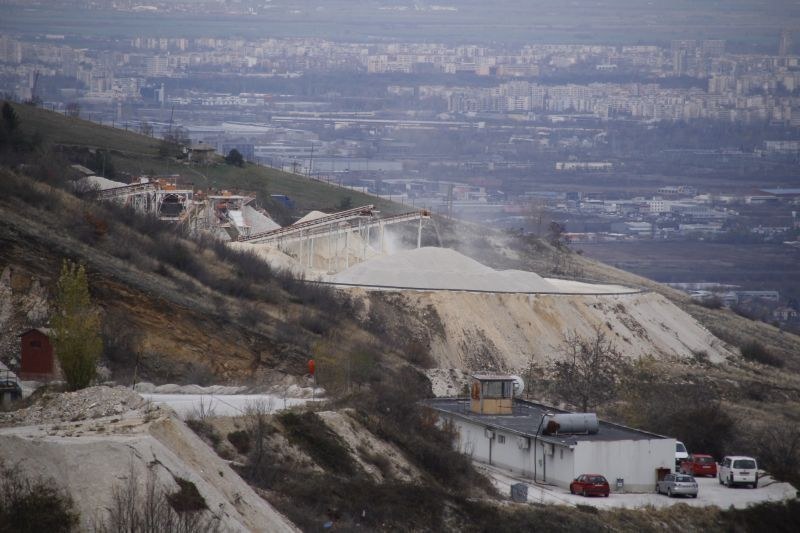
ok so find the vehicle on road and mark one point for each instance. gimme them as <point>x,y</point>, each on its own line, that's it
<point>680,453</point>
<point>677,485</point>
<point>590,484</point>
<point>699,465</point>
<point>738,470</point>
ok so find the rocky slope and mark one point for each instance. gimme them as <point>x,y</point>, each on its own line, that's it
<point>92,441</point>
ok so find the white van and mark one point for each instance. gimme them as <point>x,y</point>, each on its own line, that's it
<point>738,470</point>
<point>680,454</point>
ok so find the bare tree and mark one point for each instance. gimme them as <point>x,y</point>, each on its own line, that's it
<point>588,371</point>
<point>257,417</point>
<point>555,234</point>
<point>154,510</point>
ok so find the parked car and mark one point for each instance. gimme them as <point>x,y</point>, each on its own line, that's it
<point>680,453</point>
<point>699,465</point>
<point>677,484</point>
<point>587,484</point>
<point>738,470</point>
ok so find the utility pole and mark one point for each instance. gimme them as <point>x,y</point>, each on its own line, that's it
<point>171,115</point>
<point>311,162</point>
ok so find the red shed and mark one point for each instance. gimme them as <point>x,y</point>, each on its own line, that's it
<point>38,361</point>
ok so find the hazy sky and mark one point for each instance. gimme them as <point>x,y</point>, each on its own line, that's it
<point>754,22</point>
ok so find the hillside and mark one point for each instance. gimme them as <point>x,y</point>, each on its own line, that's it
<point>116,438</point>
<point>511,251</point>
<point>180,308</point>
<point>185,310</point>
<point>132,154</point>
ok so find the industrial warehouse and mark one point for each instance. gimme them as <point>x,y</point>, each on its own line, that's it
<point>550,445</point>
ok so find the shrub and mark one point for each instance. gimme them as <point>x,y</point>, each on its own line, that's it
<point>418,353</point>
<point>205,430</point>
<point>315,323</point>
<point>32,506</point>
<point>757,352</point>
<point>240,440</point>
<point>154,509</point>
<point>326,448</point>
<point>187,498</point>
<point>715,302</point>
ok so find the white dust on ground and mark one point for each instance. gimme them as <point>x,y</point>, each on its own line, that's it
<point>711,493</point>
<point>88,441</point>
<point>311,215</point>
<point>503,331</point>
<point>431,268</point>
<point>101,183</point>
<point>257,220</point>
<point>447,382</point>
<point>327,254</point>
<point>191,405</point>
<point>172,388</point>
<point>275,258</point>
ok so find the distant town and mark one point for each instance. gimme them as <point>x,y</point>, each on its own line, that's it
<point>692,140</point>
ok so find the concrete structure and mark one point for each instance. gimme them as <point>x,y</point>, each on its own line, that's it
<point>201,153</point>
<point>632,460</point>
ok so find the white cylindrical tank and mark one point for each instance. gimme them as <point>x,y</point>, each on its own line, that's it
<point>519,385</point>
<point>571,423</point>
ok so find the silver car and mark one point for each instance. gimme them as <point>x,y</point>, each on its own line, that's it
<point>675,484</point>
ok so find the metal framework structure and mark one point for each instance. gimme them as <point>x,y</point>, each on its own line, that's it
<point>266,237</point>
<point>225,212</point>
<point>150,198</point>
<point>337,229</point>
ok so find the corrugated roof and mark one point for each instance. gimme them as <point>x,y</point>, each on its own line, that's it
<point>525,419</point>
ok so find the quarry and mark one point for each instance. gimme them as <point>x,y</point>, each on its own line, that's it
<point>360,448</point>
<point>487,319</point>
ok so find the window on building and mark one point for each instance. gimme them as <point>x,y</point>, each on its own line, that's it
<point>498,389</point>
<point>501,439</point>
<point>36,344</point>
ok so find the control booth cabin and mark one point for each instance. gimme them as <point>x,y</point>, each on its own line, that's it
<point>550,445</point>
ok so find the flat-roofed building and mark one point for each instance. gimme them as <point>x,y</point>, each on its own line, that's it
<point>549,445</point>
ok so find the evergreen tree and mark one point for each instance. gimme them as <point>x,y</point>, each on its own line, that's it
<point>235,157</point>
<point>10,118</point>
<point>76,327</point>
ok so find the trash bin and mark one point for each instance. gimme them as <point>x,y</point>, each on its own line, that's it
<point>519,492</point>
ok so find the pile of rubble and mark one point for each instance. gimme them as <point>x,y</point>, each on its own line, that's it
<point>86,404</point>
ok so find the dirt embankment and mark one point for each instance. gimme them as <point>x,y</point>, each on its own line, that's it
<point>504,331</point>
<point>92,441</point>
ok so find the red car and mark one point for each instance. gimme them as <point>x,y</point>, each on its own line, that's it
<point>587,484</point>
<point>699,465</point>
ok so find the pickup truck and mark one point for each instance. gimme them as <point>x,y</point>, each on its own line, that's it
<point>699,465</point>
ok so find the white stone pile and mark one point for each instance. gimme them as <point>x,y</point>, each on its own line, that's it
<point>431,268</point>
<point>86,404</point>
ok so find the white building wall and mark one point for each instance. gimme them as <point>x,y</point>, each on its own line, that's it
<point>557,468</point>
<point>634,461</point>
<point>554,463</point>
